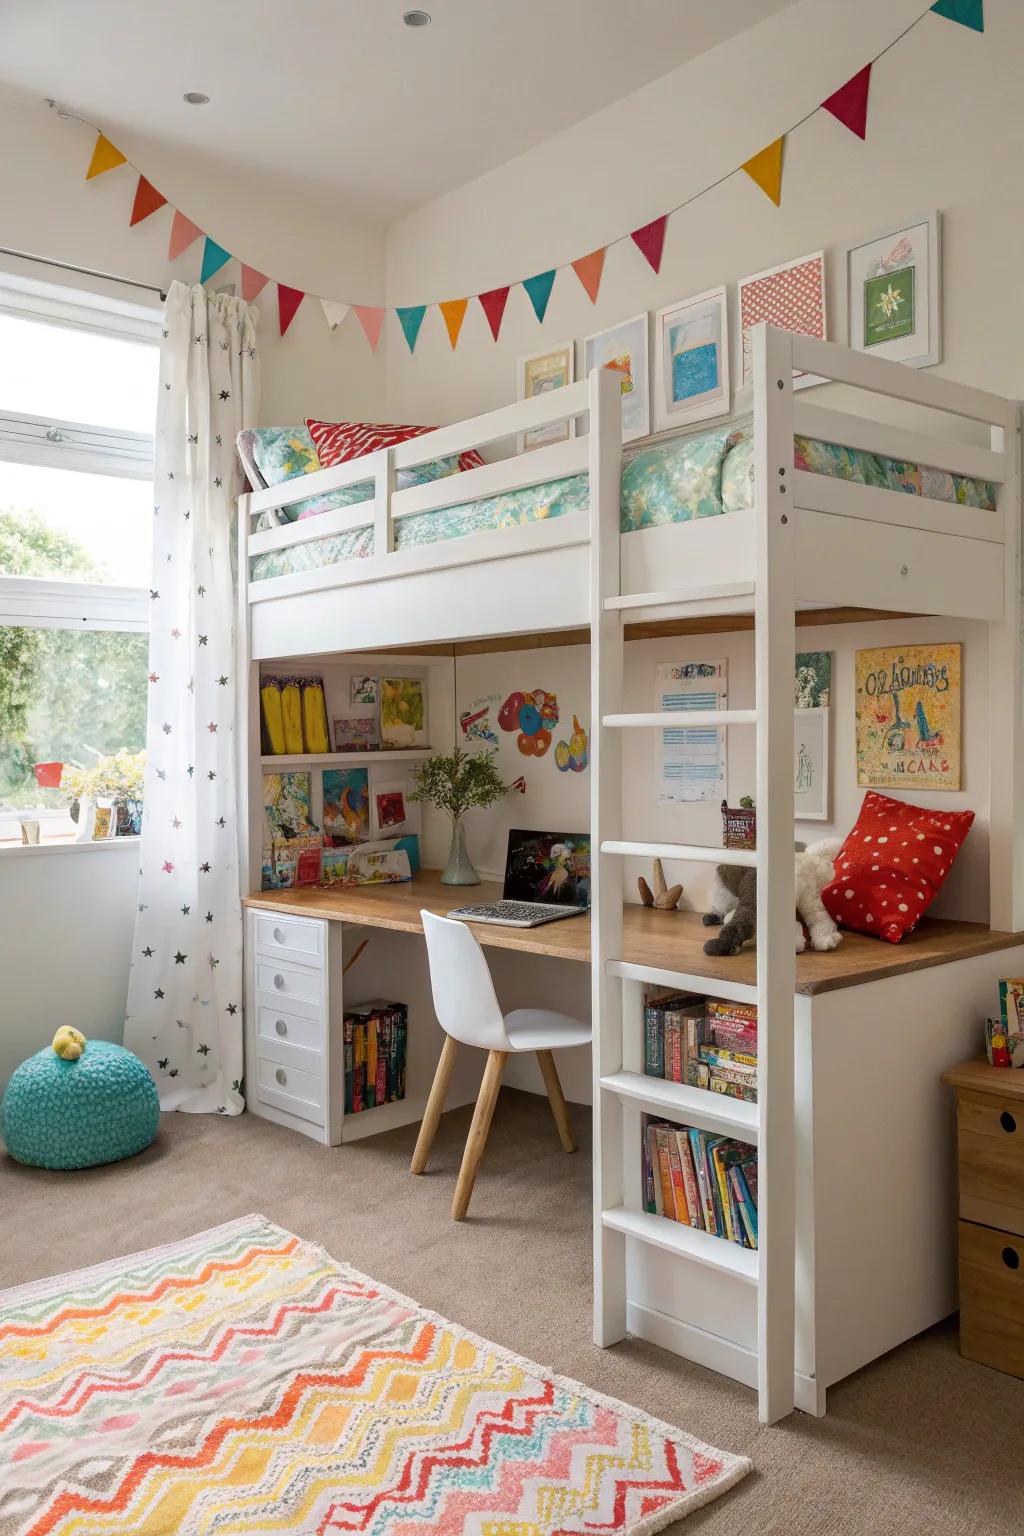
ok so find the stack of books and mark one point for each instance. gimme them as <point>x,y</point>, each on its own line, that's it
<point>375,1037</point>
<point>703,1042</point>
<point>701,1180</point>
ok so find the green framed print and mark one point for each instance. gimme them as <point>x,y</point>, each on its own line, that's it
<point>892,293</point>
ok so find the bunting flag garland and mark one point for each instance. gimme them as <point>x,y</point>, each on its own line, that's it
<point>147,201</point>
<point>371,318</point>
<point>969,13</point>
<point>539,288</point>
<point>849,105</point>
<point>253,283</point>
<point>650,239</point>
<point>411,318</point>
<point>214,257</point>
<point>104,157</point>
<point>183,233</point>
<point>766,169</point>
<point>493,305</point>
<point>288,301</point>
<point>589,270</point>
<point>453,312</point>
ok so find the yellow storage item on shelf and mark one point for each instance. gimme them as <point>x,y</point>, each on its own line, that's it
<point>314,716</point>
<point>291,708</point>
<point>273,718</point>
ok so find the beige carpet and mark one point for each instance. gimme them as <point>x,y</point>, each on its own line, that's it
<point>922,1443</point>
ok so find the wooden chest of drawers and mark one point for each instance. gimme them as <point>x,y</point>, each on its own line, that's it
<point>990,1154</point>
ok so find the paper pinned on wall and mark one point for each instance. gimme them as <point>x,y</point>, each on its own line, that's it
<point>691,761</point>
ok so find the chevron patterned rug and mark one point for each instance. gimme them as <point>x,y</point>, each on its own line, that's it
<point>243,1381</point>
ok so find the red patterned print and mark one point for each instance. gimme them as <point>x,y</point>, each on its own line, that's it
<point>792,298</point>
<point>338,442</point>
<point>893,865</point>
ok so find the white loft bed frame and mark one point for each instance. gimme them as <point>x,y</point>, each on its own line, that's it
<point>809,541</point>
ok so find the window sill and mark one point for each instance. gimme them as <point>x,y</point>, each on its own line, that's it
<point>37,850</point>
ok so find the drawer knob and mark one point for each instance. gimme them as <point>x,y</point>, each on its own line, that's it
<point>279,981</point>
<point>1011,1258</point>
<point>281,1075</point>
<point>1007,1121</point>
<point>279,935</point>
<point>281,1027</point>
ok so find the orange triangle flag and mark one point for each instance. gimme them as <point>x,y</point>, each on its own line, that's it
<point>454,312</point>
<point>766,169</point>
<point>147,201</point>
<point>183,232</point>
<point>104,157</point>
<point>589,270</point>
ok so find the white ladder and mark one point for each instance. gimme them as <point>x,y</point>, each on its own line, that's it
<point>619,1093</point>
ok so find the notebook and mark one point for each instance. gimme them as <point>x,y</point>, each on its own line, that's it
<point>547,877</point>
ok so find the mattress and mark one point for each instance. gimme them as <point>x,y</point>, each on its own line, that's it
<point>705,474</point>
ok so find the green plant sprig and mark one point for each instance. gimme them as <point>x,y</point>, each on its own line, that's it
<point>458,781</point>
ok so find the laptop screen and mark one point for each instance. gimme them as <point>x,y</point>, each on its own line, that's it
<point>548,866</point>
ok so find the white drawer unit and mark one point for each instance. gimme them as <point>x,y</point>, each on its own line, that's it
<point>286,982</point>
<point>290,938</point>
<point>291,1089</point>
<point>280,1026</point>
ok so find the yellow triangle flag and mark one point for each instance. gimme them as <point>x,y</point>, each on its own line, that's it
<point>766,169</point>
<point>454,312</point>
<point>104,157</point>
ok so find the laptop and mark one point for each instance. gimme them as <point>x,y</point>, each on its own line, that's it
<point>547,877</point>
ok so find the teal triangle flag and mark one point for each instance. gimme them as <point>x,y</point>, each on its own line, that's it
<point>214,257</point>
<point>969,13</point>
<point>411,318</point>
<point>539,289</point>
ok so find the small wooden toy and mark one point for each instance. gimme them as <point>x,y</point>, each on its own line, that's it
<point>665,898</point>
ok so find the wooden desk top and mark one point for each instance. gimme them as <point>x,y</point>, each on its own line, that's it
<point>979,1077</point>
<point>671,941</point>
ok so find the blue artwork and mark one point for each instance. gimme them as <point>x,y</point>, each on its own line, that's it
<point>694,370</point>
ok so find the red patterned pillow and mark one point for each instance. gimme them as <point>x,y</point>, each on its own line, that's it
<point>339,441</point>
<point>892,865</point>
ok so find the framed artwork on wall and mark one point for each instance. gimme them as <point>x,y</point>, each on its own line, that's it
<point>792,297</point>
<point>538,374</point>
<point>623,349</point>
<point>691,350</point>
<point>810,764</point>
<point>893,294</point>
<point>908,717</point>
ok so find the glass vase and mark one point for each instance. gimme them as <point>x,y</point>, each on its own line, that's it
<point>459,870</point>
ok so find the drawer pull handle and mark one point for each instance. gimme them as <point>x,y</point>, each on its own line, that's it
<point>1011,1258</point>
<point>281,1075</point>
<point>279,935</point>
<point>279,982</point>
<point>281,1027</point>
<point>1007,1121</point>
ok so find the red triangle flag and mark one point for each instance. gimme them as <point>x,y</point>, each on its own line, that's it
<point>650,239</point>
<point>288,301</point>
<point>589,269</point>
<point>371,318</point>
<point>493,305</point>
<point>147,201</point>
<point>850,103</point>
<point>253,283</point>
<point>183,232</point>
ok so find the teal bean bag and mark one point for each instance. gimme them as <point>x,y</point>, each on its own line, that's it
<point>79,1103</point>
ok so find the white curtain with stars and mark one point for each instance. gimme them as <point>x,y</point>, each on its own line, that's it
<point>184,1015</point>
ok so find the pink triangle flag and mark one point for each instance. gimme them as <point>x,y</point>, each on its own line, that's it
<point>850,103</point>
<point>253,283</point>
<point>183,232</point>
<point>650,239</point>
<point>371,318</point>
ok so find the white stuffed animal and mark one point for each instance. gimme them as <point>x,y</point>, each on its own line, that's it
<point>734,902</point>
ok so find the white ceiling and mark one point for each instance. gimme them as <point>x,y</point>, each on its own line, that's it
<point>338,96</point>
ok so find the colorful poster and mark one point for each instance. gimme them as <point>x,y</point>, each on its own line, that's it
<point>477,722</point>
<point>539,375</point>
<point>908,717</point>
<point>287,807</point>
<point>534,716</point>
<point>402,712</point>
<point>813,679</point>
<point>623,350</point>
<point>791,296</point>
<point>889,306</point>
<point>390,802</point>
<point>356,735</point>
<point>346,806</point>
<point>691,763</point>
<point>363,689</point>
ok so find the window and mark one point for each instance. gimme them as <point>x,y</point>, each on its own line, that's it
<point>78,385</point>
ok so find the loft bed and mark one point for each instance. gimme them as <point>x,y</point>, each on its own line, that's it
<point>922,519</point>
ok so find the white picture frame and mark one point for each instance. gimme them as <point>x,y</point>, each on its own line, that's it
<point>625,346</point>
<point>696,329</point>
<point>810,764</point>
<point>909,254</point>
<point>769,294</point>
<point>536,374</point>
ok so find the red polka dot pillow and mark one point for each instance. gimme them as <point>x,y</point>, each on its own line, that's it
<point>893,865</point>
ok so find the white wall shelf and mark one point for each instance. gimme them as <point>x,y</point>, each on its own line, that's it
<point>343,759</point>
<point>714,1252</point>
<point>716,1112</point>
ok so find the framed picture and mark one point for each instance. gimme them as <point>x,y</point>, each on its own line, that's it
<point>539,374</point>
<point>363,689</point>
<point>346,806</point>
<point>389,802</point>
<point>892,293</point>
<point>623,349</point>
<point>813,680</point>
<point>810,765</point>
<point>908,717</point>
<point>691,350</point>
<point>402,713</point>
<point>792,297</point>
<point>356,734</point>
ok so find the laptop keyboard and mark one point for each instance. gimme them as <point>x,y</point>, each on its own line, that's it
<point>514,911</point>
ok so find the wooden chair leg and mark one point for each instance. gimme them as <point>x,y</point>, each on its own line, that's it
<point>435,1106</point>
<point>556,1098</point>
<point>477,1138</point>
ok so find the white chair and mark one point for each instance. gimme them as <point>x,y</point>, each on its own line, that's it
<point>468,1012</point>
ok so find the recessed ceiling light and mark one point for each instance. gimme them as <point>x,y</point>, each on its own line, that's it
<point>196,98</point>
<point>417,18</point>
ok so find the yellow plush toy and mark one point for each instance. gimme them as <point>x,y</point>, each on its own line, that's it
<point>68,1043</point>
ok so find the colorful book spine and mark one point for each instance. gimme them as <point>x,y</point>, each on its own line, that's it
<point>679,1199</point>
<point>745,1091</point>
<point>689,1178</point>
<point>358,1064</point>
<point>649,1153</point>
<point>654,1042</point>
<point>732,1013</point>
<point>668,1204</point>
<point>748,1210</point>
<point>718,1167</point>
<point>347,1055</point>
<point>716,1056</point>
<point>707,1204</point>
<point>383,1029</point>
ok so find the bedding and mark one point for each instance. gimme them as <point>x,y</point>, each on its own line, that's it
<point>704,474</point>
